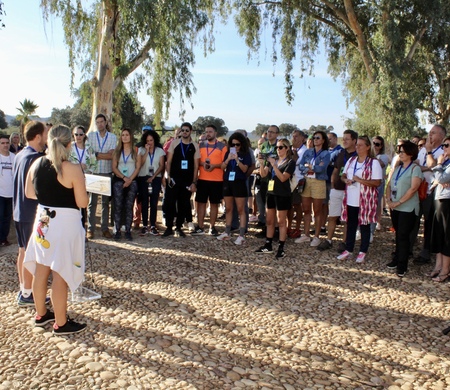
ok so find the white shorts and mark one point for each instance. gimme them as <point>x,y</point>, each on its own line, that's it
<point>335,205</point>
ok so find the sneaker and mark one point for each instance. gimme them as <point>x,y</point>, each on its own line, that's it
<point>280,253</point>
<point>24,302</point>
<point>168,232</point>
<point>213,232</point>
<point>392,265</point>
<point>253,218</point>
<point>324,245</point>
<point>5,243</point>
<point>341,247</point>
<point>240,240</point>
<point>69,327</point>
<point>191,227</point>
<point>371,238</point>
<point>117,235</point>
<point>378,227</point>
<point>401,274</point>
<point>303,238</point>
<point>358,235</point>
<point>198,231</point>
<point>360,258</point>
<point>224,237</point>
<point>144,231</point>
<point>385,212</point>
<point>128,236</point>
<point>345,255</point>
<point>179,233</point>
<point>264,249</point>
<point>315,241</point>
<point>106,234</point>
<point>154,231</point>
<point>45,319</point>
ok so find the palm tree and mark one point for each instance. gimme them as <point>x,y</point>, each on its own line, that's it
<point>27,108</point>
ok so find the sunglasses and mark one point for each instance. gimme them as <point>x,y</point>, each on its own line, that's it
<point>445,145</point>
<point>377,144</point>
<point>280,147</point>
<point>317,137</point>
<point>78,135</point>
<point>185,130</point>
<point>235,144</point>
<point>421,145</point>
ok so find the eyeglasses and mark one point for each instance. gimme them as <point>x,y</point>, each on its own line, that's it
<point>445,145</point>
<point>281,147</point>
<point>421,145</point>
<point>235,144</point>
<point>78,135</point>
<point>377,144</point>
<point>401,151</point>
<point>185,130</point>
<point>317,137</point>
<point>272,132</point>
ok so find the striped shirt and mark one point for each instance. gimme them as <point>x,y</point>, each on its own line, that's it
<point>102,145</point>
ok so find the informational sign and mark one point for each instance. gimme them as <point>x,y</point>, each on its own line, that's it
<point>98,184</point>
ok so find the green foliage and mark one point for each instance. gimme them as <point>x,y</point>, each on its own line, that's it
<point>14,122</point>
<point>62,116</point>
<point>260,129</point>
<point>312,129</point>
<point>3,123</point>
<point>27,108</point>
<point>202,121</point>
<point>286,129</point>
<point>131,113</point>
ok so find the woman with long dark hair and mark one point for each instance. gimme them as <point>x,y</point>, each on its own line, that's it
<point>125,166</point>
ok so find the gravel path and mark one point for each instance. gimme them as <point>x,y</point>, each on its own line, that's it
<point>196,313</point>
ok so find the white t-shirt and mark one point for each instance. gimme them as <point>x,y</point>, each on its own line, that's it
<point>151,161</point>
<point>422,161</point>
<point>353,167</point>
<point>6,175</point>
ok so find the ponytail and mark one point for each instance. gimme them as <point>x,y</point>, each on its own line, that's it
<point>58,138</point>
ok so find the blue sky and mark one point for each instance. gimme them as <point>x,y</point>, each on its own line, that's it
<point>242,93</point>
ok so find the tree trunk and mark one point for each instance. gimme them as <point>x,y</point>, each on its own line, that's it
<point>103,82</point>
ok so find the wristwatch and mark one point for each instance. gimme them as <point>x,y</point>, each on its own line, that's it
<point>429,152</point>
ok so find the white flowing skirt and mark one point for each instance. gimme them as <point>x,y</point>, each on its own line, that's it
<point>57,241</point>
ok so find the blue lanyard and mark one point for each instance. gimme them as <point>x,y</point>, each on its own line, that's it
<point>425,158</point>
<point>152,156</point>
<point>182,149</point>
<point>104,142</point>
<point>346,158</point>
<point>125,159</point>
<point>356,164</point>
<point>80,158</point>
<point>207,148</point>
<point>400,173</point>
<point>313,161</point>
<point>446,162</point>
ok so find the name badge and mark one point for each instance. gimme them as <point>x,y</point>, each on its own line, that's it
<point>151,171</point>
<point>231,176</point>
<point>184,164</point>
<point>125,171</point>
<point>271,184</point>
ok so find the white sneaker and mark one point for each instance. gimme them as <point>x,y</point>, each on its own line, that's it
<point>360,258</point>
<point>358,235</point>
<point>345,255</point>
<point>253,218</point>
<point>240,240</point>
<point>371,238</point>
<point>191,226</point>
<point>224,237</point>
<point>315,241</point>
<point>378,227</point>
<point>303,238</point>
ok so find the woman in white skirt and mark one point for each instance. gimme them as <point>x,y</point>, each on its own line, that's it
<point>57,241</point>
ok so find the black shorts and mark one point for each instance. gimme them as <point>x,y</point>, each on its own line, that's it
<point>278,202</point>
<point>23,232</point>
<point>236,189</point>
<point>211,190</point>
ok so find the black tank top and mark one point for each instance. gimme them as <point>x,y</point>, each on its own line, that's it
<point>49,191</point>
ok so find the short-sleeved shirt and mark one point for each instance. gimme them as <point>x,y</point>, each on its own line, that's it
<point>353,167</point>
<point>24,209</point>
<point>6,177</point>
<point>401,181</point>
<point>126,164</point>
<point>422,159</point>
<point>233,166</point>
<point>282,188</point>
<point>84,156</point>
<point>339,164</point>
<point>102,145</point>
<point>267,147</point>
<point>152,161</point>
<point>183,158</point>
<point>215,152</point>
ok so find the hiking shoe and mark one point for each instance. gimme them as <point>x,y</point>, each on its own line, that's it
<point>70,327</point>
<point>144,231</point>
<point>360,258</point>
<point>264,249</point>
<point>191,227</point>
<point>224,237</point>
<point>168,232</point>
<point>341,247</point>
<point>154,231</point>
<point>179,233</point>
<point>315,241</point>
<point>324,245</point>
<point>117,235</point>
<point>106,234</point>
<point>303,238</point>
<point>25,302</point>
<point>198,231</point>
<point>240,240</point>
<point>45,319</point>
<point>213,232</point>
<point>344,255</point>
<point>280,253</point>
<point>392,265</point>
<point>128,236</point>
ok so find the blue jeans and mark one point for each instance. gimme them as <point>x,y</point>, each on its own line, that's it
<point>5,217</point>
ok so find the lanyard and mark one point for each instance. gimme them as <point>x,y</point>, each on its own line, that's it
<point>400,173</point>
<point>278,165</point>
<point>104,142</point>
<point>446,162</point>
<point>346,156</point>
<point>207,148</point>
<point>125,159</point>
<point>425,158</point>
<point>152,156</point>
<point>356,164</point>
<point>80,158</point>
<point>315,156</point>
<point>183,150</point>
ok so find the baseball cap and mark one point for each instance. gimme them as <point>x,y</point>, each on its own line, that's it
<point>145,128</point>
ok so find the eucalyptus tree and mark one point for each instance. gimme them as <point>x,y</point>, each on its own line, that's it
<point>395,50</point>
<point>110,39</point>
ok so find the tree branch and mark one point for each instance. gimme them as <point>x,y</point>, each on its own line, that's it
<point>416,42</point>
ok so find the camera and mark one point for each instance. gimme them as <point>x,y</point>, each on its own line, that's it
<point>265,156</point>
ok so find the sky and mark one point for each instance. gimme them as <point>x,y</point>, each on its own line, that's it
<point>243,93</point>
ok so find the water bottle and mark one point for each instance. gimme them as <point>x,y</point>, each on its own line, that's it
<point>150,188</point>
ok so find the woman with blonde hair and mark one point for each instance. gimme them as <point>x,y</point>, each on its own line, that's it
<point>14,143</point>
<point>57,241</point>
<point>126,165</point>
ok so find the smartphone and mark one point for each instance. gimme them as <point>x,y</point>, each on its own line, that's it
<point>171,183</point>
<point>233,150</point>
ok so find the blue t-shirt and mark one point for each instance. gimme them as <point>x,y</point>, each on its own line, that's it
<point>232,166</point>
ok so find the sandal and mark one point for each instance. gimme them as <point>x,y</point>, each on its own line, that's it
<point>441,278</point>
<point>433,273</point>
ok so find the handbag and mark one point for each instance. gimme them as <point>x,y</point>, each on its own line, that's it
<point>423,190</point>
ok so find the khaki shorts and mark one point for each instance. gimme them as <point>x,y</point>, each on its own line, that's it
<point>316,189</point>
<point>335,205</point>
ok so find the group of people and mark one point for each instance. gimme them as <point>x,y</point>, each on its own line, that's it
<point>278,185</point>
